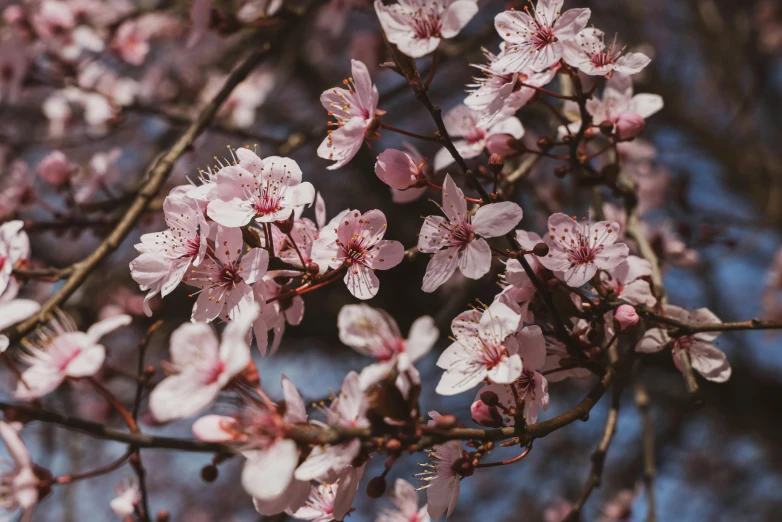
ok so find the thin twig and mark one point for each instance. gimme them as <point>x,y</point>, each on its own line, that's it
<point>642,402</point>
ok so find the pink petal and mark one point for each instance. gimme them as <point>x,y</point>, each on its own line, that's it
<point>475,259</point>
<point>268,472</point>
<point>440,269</point>
<point>497,219</point>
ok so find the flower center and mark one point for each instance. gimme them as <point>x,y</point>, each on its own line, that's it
<point>268,201</point>
<point>427,25</point>
<point>476,135</point>
<point>543,37</point>
<point>601,59</point>
<point>230,275</point>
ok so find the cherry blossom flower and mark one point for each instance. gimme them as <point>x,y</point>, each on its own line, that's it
<point>276,314</point>
<point>424,169</point>
<point>349,409</point>
<point>455,239</point>
<point>578,250</point>
<point>103,172</point>
<point>14,248</point>
<point>202,365</point>
<point>60,351</point>
<point>626,281</point>
<point>589,53</point>
<point>128,497</point>
<point>620,507</point>
<point>265,191</point>
<point>706,358</point>
<point>224,280</point>
<point>560,365</point>
<point>55,168</point>
<point>396,169</point>
<point>417,26</point>
<point>484,347</point>
<point>355,109</point>
<point>240,109</point>
<point>13,310</point>
<point>165,257</point>
<point>18,480</point>
<point>374,333</point>
<point>620,107</point>
<point>537,39</point>
<point>497,95</point>
<point>406,501</point>
<point>324,504</point>
<point>463,122</point>
<point>360,247</point>
<point>443,478</point>
<point>532,386</point>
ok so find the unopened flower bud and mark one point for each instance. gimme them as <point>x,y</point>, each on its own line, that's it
<point>376,487</point>
<point>501,144</point>
<point>55,169</point>
<point>486,415</point>
<point>496,163</point>
<point>544,143</point>
<point>163,516</point>
<point>626,317</point>
<point>209,473</point>
<point>312,268</point>
<point>393,445</point>
<point>607,127</point>
<point>629,126</point>
<point>446,422</point>
<point>589,133</point>
<point>490,398</point>
<point>540,250</point>
<point>396,169</point>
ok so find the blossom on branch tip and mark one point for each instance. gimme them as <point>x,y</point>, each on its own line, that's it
<point>165,257</point>
<point>443,477</point>
<point>537,39</point>
<point>588,52</point>
<point>484,347</point>
<point>464,122</point>
<point>705,358</point>
<point>417,26</point>
<point>360,247</point>
<point>628,283</point>
<point>60,351</point>
<point>406,509</point>
<point>374,333</point>
<point>258,190</point>
<point>355,109</point>
<point>455,240</point>
<point>14,248</point>
<point>578,249</point>
<point>396,169</point>
<point>201,366</point>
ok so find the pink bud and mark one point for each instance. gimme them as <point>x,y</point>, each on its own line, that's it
<point>55,168</point>
<point>396,169</point>
<point>14,14</point>
<point>485,415</point>
<point>626,317</point>
<point>628,126</point>
<point>502,144</point>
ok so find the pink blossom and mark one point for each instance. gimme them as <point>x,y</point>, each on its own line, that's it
<point>620,507</point>
<point>240,109</point>
<point>463,122</point>
<point>165,257</point>
<point>20,483</point>
<point>455,240</point>
<point>558,359</point>
<point>628,283</point>
<point>706,358</point>
<point>484,347</point>
<point>531,385</point>
<point>14,189</point>
<point>443,478</point>
<point>202,365</point>
<point>349,409</point>
<point>103,172</point>
<point>360,247</point>
<point>322,504</point>
<point>258,190</point>
<point>417,26</point>
<point>131,41</point>
<point>578,250</point>
<point>128,497</point>
<point>497,95</point>
<point>14,248</point>
<point>626,316</point>
<point>276,314</point>
<point>588,52</point>
<point>413,193</point>
<point>623,109</point>
<point>13,310</point>
<point>396,169</point>
<point>537,39</point>
<point>55,168</point>
<point>374,333</point>
<point>558,511</point>
<point>355,109</point>
<point>406,501</point>
<point>60,351</point>
<point>224,280</point>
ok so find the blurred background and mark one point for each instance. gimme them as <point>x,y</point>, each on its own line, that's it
<point>711,193</point>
